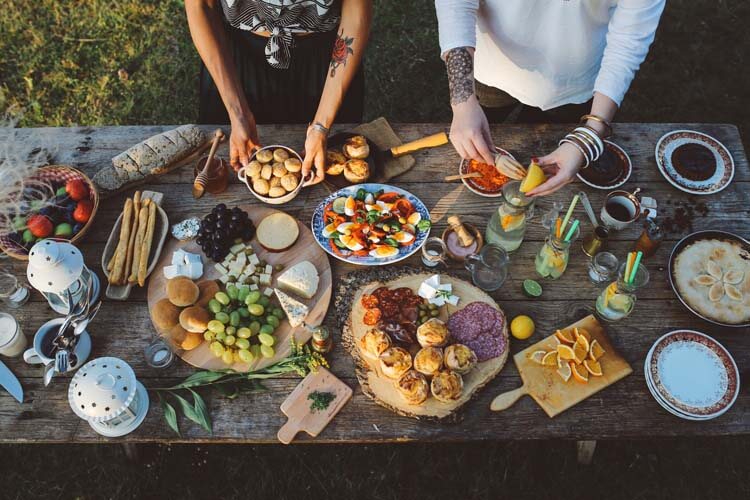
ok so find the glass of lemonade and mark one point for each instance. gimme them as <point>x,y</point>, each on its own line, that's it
<point>618,299</point>
<point>507,225</point>
<point>553,257</point>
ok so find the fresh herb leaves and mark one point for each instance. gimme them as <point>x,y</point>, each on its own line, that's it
<point>320,400</point>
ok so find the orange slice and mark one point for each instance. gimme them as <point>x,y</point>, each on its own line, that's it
<point>596,351</point>
<point>565,336</point>
<point>582,332</point>
<point>580,349</point>
<point>579,372</point>
<point>564,371</point>
<point>550,359</point>
<point>537,356</point>
<point>565,352</point>
<point>593,367</point>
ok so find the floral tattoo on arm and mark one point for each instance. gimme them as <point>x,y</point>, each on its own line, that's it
<point>460,66</point>
<point>342,48</point>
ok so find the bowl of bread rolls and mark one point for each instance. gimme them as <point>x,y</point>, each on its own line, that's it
<point>273,175</point>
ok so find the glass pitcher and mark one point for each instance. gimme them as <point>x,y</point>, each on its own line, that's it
<point>507,225</point>
<point>618,299</point>
<point>489,268</point>
<point>552,259</point>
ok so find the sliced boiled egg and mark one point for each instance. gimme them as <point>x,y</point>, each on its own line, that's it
<point>345,227</point>
<point>403,237</point>
<point>414,218</point>
<point>370,207</point>
<point>383,252</point>
<point>329,230</point>
<point>384,207</point>
<point>350,205</point>
<point>351,242</point>
<point>373,238</point>
<point>369,199</point>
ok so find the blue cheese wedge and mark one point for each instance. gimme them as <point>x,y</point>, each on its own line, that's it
<point>301,279</point>
<point>296,311</point>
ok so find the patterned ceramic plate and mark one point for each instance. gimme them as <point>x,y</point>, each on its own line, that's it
<point>694,162</point>
<point>618,162</point>
<point>693,374</point>
<point>463,168</point>
<point>662,402</point>
<point>318,224</point>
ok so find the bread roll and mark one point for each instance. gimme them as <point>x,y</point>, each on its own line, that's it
<point>182,292</point>
<point>280,155</point>
<point>279,170</point>
<point>264,156</point>
<point>335,161</point>
<point>293,165</point>
<point>166,315</point>
<point>208,289</point>
<point>192,340</point>
<point>177,335</point>
<point>276,191</point>
<point>275,181</point>
<point>194,319</point>
<point>261,186</point>
<point>289,182</point>
<point>356,171</point>
<point>253,169</point>
<point>356,148</point>
<point>266,172</point>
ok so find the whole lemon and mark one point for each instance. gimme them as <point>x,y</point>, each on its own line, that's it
<point>522,327</point>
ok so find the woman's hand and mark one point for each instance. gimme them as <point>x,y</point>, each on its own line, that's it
<point>562,164</point>
<point>470,132</point>
<point>243,141</point>
<point>315,156</point>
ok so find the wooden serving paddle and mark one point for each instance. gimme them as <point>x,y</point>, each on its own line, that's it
<point>297,406</point>
<point>548,389</point>
<point>199,184</point>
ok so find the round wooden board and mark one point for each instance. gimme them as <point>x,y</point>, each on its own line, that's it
<point>305,248</point>
<point>382,389</point>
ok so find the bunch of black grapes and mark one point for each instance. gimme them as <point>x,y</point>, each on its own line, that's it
<point>220,228</point>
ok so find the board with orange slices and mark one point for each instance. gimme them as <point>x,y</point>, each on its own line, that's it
<point>566,367</point>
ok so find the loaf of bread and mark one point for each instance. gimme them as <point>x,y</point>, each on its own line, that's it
<point>154,156</point>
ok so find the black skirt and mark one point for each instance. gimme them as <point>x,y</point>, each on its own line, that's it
<point>280,95</point>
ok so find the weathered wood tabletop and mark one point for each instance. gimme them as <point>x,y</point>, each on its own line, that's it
<point>624,410</point>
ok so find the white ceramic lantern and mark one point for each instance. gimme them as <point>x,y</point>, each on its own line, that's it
<point>56,269</point>
<point>105,393</point>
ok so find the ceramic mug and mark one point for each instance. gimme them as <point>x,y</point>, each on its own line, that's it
<point>43,344</point>
<point>620,209</point>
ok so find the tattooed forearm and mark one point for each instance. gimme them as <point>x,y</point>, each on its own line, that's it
<point>342,49</point>
<point>460,65</point>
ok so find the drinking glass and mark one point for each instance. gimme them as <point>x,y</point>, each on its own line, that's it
<point>552,259</point>
<point>602,267</point>
<point>618,299</point>
<point>434,252</point>
<point>158,354</point>
<point>13,293</point>
<point>12,340</point>
<point>489,267</point>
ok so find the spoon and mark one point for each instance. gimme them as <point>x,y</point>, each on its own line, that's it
<point>49,372</point>
<point>199,185</point>
<point>80,327</point>
<point>588,208</point>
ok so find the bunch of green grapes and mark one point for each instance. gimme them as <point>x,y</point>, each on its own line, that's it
<point>243,325</point>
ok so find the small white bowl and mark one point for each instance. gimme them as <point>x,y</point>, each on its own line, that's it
<point>267,199</point>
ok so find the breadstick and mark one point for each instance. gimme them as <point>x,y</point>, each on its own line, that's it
<point>146,249</point>
<point>131,241</point>
<point>116,277</point>
<point>111,262</point>
<point>142,224</point>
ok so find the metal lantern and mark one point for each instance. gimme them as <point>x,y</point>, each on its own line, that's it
<point>57,270</point>
<point>106,394</point>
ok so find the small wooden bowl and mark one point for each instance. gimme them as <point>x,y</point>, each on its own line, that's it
<point>473,230</point>
<point>54,173</point>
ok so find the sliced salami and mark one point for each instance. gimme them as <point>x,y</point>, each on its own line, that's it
<point>480,327</point>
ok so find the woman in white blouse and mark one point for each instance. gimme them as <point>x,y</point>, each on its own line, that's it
<point>560,58</point>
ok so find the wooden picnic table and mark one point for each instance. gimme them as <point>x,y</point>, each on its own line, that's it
<point>624,410</point>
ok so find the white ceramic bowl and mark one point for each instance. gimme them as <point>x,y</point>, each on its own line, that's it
<point>267,199</point>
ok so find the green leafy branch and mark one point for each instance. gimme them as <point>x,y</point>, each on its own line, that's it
<point>302,360</point>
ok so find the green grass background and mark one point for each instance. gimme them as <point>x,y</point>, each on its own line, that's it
<point>100,62</point>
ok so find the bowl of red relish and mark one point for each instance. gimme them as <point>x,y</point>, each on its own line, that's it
<point>490,184</point>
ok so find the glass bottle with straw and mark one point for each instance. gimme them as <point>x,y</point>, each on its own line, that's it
<point>553,257</point>
<point>618,299</point>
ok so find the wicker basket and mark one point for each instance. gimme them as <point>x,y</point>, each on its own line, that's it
<point>59,174</point>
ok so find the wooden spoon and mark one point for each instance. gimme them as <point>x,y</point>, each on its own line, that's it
<point>199,185</point>
<point>470,175</point>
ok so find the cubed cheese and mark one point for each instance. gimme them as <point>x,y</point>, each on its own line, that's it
<point>222,269</point>
<point>224,278</point>
<point>193,271</point>
<point>265,279</point>
<point>253,259</point>
<point>268,292</point>
<point>178,257</point>
<point>269,269</point>
<point>253,287</point>
<point>241,257</point>
<point>172,271</point>
<point>193,258</point>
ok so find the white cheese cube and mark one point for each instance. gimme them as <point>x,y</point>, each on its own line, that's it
<point>268,292</point>
<point>452,300</point>
<point>269,269</point>
<point>222,269</point>
<point>171,272</point>
<point>253,287</point>
<point>445,287</point>
<point>224,278</point>
<point>253,260</point>
<point>234,249</point>
<point>265,279</point>
<point>178,257</point>
<point>242,258</point>
<point>426,290</point>
<point>193,258</point>
<point>194,271</point>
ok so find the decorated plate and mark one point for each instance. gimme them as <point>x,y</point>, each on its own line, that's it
<point>611,170</point>
<point>694,162</point>
<point>476,188</point>
<point>322,228</point>
<point>693,374</point>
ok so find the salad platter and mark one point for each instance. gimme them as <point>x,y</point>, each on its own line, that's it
<point>371,224</point>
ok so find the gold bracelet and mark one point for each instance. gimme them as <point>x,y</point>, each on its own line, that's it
<point>599,119</point>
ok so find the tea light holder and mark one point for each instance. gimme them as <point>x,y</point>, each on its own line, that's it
<point>57,270</point>
<point>106,394</point>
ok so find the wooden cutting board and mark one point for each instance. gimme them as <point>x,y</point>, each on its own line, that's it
<point>297,405</point>
<point>548,389</point>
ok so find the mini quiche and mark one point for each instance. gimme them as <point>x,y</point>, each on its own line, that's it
<point>447,386</point>
<point>428,361</point>
<point>374,342</point>
<point>394,362</point>
<point>413,387</point>
<point>460,358</point>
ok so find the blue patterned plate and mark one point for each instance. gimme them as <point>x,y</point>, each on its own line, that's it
<point>318,223</point>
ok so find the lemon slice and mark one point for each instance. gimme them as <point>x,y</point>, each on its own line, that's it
<point>534,177</point>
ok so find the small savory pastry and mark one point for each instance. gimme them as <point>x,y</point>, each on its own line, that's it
<point>459,358</point>
<point>266,172</point>
<point>289,182</point>
<point>429,360</point>
<point>356,171</point>
<point>279,170</point>
<point>413,387</point>
<point>356,148</point>
<point>280,155</point>
<point>335,161</point>
<point>275,181</point>
<point>293,165</point>
<point>432,333</point>
<point>394,362</point>
<point>261,186</point>
<point>447,386</point>
<point>264,156</point>
<point>276,191</point>
<point>374,342</point>
<point>253,169</point>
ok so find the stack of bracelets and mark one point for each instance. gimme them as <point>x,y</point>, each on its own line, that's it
<point>587,140</point>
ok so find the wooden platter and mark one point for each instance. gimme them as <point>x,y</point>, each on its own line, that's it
<point>381,389</point>
<point>304,249</point>
<point>548,389</point>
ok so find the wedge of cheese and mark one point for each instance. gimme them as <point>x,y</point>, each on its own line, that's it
<point>296,311</point>
<point>300,279</point>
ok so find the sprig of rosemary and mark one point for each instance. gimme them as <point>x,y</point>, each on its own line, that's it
<point>302,360</point>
